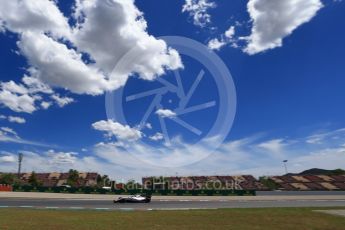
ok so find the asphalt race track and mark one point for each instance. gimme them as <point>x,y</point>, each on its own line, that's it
<point>177,203</point>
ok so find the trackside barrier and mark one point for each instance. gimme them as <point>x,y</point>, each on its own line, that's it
<point>5,188</point>
<point>90,190</point>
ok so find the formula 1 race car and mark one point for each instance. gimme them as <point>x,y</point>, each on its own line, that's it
<point>134,199</point>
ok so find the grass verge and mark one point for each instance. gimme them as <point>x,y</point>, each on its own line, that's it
<point>253,219</point>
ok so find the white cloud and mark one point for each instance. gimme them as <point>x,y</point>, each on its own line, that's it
<point>13,87</point>
<point>216,44</point>
<point>61,101</point>
<point>16,102</point>
<point>165,113</point>
<point>226,38</point>
<point>230,32</point>
<point>105,30</point>
<point>274,20</point>
<point>18,120</point>
<point>253,155</point>
<point>8,135</point>
<point>148,125</point>
<point>35,85</point>
<point>21,98</point>
<point>121,132</point>
<point>2,117</point>
<point>198,10</point>
<point>242,156</point>
<point>126,25</point>
<point>157,136</point>
<point>8,130</point>
<point>62,157</point>
<point>50,161</point>
<point>58,66</point>
<point>7,159</point>
<point>37,16</point>
<point>45,104</point>
<point>274,147</point>
<point>325,136</point>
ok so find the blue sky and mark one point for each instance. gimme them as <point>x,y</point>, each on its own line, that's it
<point>56,69</point>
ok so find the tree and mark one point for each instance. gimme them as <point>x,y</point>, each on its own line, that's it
<point>73,177</point>
<point>131,185</point>
<point>103,180</point>
<point>269,183</point>
<point>33,179</point>
<point>7,178</point>
<point>99,180</point>
<point>338,172</point>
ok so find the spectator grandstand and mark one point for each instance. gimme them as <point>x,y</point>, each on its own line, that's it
<point>241,182</point>
<point>56,179</point>
<point>310,182</point>
<point>305,181</point>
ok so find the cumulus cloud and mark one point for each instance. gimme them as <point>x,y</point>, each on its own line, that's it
<point>34,85</point>
<point>121,132</point>
<point>127,28</point>
<point>61,101</point>
<point>226,38</point>
<point>57,65</point>
<point>104,32</point>
<point>13,87</point>
<point>62,157</point>
<point>157,137</point>
<point>17,102</point>
<point>198,10</point>
<point>18,120</point>
<point>19,97</point>
<point>37,16</point>
<point>165,113</point>
<point>45,104</point>
<point>216,44</point>
<point>274,20</point>
<point>148,125</point>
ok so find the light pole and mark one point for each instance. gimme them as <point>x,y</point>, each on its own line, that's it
<point>20,159</point>
<point>285,166</point>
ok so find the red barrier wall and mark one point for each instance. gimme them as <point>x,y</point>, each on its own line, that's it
<point>5,188</point>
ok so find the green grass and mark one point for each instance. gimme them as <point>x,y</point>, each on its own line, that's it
<point>253,219</point>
